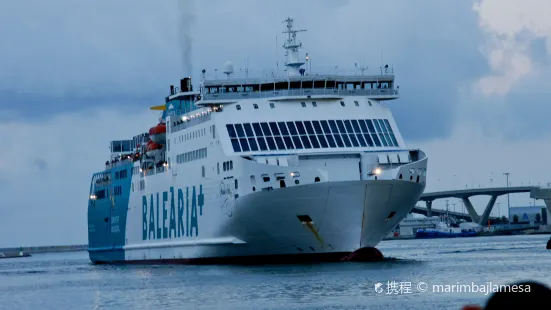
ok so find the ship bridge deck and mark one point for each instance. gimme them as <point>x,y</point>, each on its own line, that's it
<point>334,86</point>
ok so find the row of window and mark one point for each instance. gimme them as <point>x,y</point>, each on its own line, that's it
<point>122,174</point>
<point>304,85</point>
<point>238,106</point>
<point>101,194</point>
<point>190,135</point>
<point>191,156</point>
<point>303,104</point>
<point>311,134</point>
<point>227,165</point>
<point>117,190</point>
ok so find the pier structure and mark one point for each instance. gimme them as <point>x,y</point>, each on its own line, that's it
<point>466,194</point>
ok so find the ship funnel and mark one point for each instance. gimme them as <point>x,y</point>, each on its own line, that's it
<point>185,84</point>
<point>171,90</point>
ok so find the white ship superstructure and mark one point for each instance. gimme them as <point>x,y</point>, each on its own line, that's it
<point>300,166</point>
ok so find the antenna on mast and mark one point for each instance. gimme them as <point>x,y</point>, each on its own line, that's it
<point>362,68</point>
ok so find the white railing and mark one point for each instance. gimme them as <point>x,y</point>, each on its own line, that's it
<point>268,75</point>
<point>189,122</point>
<point>301,92</point>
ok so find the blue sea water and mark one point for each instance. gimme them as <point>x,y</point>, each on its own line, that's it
<point>69,281</point>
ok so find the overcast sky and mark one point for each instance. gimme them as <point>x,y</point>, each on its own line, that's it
<point>474,79</point>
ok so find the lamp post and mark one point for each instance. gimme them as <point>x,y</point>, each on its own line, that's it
<point>508,201</point>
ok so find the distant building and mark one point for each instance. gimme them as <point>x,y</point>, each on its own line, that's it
<point>528,215</point>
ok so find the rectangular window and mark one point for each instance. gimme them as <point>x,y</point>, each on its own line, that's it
<point>346,140</point>
<point>283,128</point>
<point>322,141</point>
<point>252,144</point>
<point>376,139</point>
<point>244,145</point>
<point>341,126</point>
<point>314,141</point>
<point>262,144</point>
<point>317,127</point>
<point>368,139</point>
<point>355,126</point>
<point>387,124</point>
<point>279,143</point>
<point>239,130</point>
<point>235,144</point>
<point>348,126</point>
<point>248,130</point>
<point>297,142</point>
<point>325,127</point>
<point>274,128</point>
<point>370,126</point>
<point>353,140</point>
<point>362,125</point>
<point>330,140</point>
<point>376,123</point>
<point>257,130</point>
<point>292,128</point>
<point>306,142</point>
<point>309,128</point>
<point>300,128</point>
<point>288,142</point>
<point>338,140</point>
<point>271,143</point>
<point>393,138</point>
<point>266,129</point>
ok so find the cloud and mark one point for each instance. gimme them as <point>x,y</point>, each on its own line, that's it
<point>46,170</point>
<point>67,56</point>
<point>511,26</point>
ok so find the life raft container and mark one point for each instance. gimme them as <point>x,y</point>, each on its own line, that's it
<point>157,133</point>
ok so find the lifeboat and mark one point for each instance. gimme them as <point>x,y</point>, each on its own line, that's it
<point>153,148</point>
<point>158,133</point>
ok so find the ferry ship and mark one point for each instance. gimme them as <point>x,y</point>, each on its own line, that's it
<point>294,167</point>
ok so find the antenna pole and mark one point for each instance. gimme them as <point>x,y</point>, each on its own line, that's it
<point>277,58</point>
<point>381,65</point>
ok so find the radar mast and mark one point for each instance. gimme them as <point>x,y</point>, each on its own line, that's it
<point>291,49</point>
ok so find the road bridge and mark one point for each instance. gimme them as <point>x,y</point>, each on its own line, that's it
<point>439,212</point>
<point>465,194</point>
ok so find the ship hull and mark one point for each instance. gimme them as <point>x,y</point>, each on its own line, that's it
<point>322,221</point>
<point>426,234</point>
